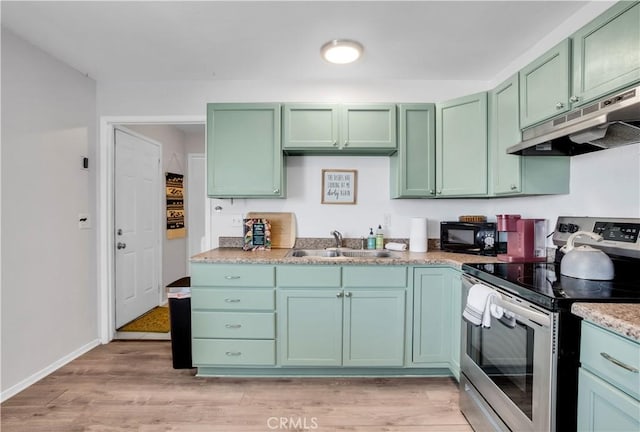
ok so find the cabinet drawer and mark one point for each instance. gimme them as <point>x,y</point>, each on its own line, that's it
<point>296,276</point>
<point>374,276</point>
<point>233,325</point>
<point>600,350</point>
<point>232,275</point>
<point>232,299</point>
<point>233,352</point>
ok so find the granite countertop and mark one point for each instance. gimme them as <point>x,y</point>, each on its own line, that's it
<point>621,318</point>
<point>236,255</point>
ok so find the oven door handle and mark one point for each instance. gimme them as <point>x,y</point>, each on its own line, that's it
<point>536,317</point>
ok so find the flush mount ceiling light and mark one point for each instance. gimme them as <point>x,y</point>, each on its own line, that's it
<point>341,51</point>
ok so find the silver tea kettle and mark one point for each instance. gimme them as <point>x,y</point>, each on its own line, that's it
<point>585,262</point>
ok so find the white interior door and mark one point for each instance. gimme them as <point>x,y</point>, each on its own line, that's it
<point>137,226</point>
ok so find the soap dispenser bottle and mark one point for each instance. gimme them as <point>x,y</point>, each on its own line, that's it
<point>371,240</point>
<point>379,238</point>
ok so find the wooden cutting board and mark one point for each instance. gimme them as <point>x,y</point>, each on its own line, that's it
<point>283,228</point>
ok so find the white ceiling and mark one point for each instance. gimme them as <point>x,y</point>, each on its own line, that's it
<point>206,40</point>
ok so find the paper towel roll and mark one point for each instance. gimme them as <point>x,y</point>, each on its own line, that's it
<point>418,235</point>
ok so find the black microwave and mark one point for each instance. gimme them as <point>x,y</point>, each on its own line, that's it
<point>479,238</point>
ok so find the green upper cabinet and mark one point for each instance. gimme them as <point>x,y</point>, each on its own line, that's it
<point>339,129</point>
<point>461,146</point>
<point>606,53</point>
<point>512,174</point>
<point>544,85</point>
<point>310,126</point>
<point>244,156</point>
<point>413,166</point>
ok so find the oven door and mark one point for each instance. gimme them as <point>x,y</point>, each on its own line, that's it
<point>512,363</point>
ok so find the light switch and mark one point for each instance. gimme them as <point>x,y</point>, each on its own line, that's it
<point>83,221</point>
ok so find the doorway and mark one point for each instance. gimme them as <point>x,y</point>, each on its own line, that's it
<point>106,217</point>
<point>137,225</point>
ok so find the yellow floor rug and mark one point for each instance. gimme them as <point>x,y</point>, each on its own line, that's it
<point>154,321</point>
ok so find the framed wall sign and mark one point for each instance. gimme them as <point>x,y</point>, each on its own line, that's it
<point>339,186</point>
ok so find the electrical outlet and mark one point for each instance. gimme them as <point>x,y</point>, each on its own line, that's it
<point>83,221</point>
<point>236,221</point>
<point>387,220</point>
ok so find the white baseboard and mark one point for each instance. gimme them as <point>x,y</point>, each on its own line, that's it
<point>12,391</point>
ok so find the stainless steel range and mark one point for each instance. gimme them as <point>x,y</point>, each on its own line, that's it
<point>520,373</point>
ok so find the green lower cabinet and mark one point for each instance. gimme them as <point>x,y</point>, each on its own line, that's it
<point>373,333</point>
<point>327,327</point>
<point>602,407</point>
<point>310,327</point>
<point>436,318</point>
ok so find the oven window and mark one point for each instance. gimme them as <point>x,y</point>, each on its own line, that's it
<point>460,236</point>
<point>505,354</point>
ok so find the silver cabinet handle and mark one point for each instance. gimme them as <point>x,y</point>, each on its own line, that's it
<point>514,187</point>
<point>574,98</point>
<point>431,191</point>
<point>335,143</point>
<point>233,326</point>
<point>559,105</point>
<point>121,245</point>
<point>347,294</point>
<point>119,232</point>
<point>346,143</point>
<point>617,362</point>
<point>233,353</point>
<point>232,300</point>
<point>276,191</point>
<point>232,277</point>
<point>439,192</point>
<point>339,295</point>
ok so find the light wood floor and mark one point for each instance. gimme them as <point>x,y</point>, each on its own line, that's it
<point>131,386</point>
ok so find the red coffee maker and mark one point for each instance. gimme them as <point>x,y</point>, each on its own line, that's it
<point>526,239</point>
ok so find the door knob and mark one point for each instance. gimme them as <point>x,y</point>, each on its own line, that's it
<point>119,232</point>
<point>121,245</point>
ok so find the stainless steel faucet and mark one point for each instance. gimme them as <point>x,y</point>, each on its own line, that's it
<point>338,237</point>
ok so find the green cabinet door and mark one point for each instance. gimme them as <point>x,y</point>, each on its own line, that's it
<point>244,156</point>
<point>602,407</point>
<point>606,53</point>
<point>461,146</point>
<point>512,174</point>
<point>413,166</point>
<point>504,131</point>
<point>456,321</point>
<point>310,327</point>
<point>310,127</point>
<point>369,127</point>
<point>339,129</point>
<point>432,316</point>
<point>544,85</point>
<point>373,333</point>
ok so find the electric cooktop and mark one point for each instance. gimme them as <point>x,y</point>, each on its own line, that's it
<point>542,283</point>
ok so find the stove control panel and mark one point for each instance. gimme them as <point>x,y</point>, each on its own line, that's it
<point>620,236</point>
<point>622,232</point>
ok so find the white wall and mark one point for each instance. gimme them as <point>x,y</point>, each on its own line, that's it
<point>49,295</point>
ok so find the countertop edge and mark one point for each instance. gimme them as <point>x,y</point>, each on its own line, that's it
<point>620,318</point>
<point>279,256</point>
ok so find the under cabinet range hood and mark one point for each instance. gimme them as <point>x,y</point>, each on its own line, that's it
<point>607,123</point>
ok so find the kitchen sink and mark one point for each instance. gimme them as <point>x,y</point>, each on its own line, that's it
<point>341,253</point>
